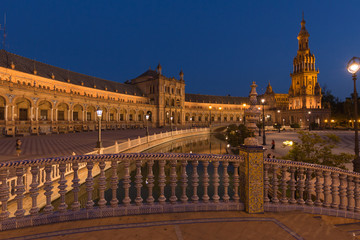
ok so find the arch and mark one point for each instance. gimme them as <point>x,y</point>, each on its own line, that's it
<point>112,114</point>
<point>44,110</point>
<point>77,112</point>
<point>62,111</point>
<point>140,115</point>
<point>23,109</point>
<point>122,114</point>
<point>90,113</point>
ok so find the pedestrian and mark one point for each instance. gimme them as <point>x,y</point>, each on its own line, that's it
<point>273,157</point>
<point>269,155</point>
<point>272,144</point>
<point>18,147</point>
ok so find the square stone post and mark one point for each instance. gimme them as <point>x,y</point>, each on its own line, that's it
<point>252,178</point>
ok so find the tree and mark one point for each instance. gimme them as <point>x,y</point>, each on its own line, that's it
<point>236,134</point>
<point>316,149</point>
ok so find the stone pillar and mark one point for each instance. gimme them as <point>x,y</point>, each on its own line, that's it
<point>12,113</point>
<point>6,113</point>
<point>252,178</point>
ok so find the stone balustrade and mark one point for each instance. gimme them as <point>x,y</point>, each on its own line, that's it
<point>160,183</point>
<point>311,188</point>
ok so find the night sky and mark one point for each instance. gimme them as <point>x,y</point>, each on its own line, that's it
<point>222,46</point>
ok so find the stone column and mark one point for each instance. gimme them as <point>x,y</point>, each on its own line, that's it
<point>12,113</point>
<point>52,114</point>
<point>252,178</point>
<point>6,113</point>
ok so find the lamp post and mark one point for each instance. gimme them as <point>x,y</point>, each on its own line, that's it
<point>99,143</point>
<point>264,137</point>
<point>171,120</point>
<point>279,112</point>
<point>353,66</point>
<point>309,121</point>
<point>259,122</point>
<point>147,126</point>
<point>244,106</point>
<point>210,107</point>
<point>220,113</point>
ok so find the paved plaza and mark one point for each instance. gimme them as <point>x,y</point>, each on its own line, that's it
<point>65,144</point>
<point>81,143</point>
<point>204,225</point>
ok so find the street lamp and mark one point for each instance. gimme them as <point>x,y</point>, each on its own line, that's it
<point>259,121</point>
<point>147,125</point>
<point>171,120</point>
<point>279,118</point>
<point>353,67</point>
<point>244,106</point>
<point>99,114</point>
<point>210,107</point>
<point>264,137</point>
<point>309,121</point>
<point>220,113</point>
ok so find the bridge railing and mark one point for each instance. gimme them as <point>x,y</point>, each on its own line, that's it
<point>310,187</point>
<point>136,183</point>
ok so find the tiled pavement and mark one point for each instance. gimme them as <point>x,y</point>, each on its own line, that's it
<point>192,225</point>
<point>65,144</point>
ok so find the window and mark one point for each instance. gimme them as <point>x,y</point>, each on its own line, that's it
<point>130,117</point>
<point>139,117</point>
<point>61,115</point>
<point>43,114</point>
<point>75,116</point>
<point>88,116</point>
<point>121,117</point>
<point>23,114</point>
<point>111,116</point>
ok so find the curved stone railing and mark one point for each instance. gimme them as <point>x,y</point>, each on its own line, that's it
<point>171,190</point>
<point>311,188</point>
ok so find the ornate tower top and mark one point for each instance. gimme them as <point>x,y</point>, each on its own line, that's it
<point>269,89</point>
<point>159,68</point>
<point>181,74</point>
<point>303,37</point>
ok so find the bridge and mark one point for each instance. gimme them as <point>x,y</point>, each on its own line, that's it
<point>145,183</point>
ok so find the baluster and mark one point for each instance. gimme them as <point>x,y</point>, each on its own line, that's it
<point>357,194</point>
<point>184,180</point>
<point>334,190</point>
<point>102,184</point>
<point>309,186</point>
<point>20,189</point>
<point>62,187</point>
<point>89,185</point>
<point>150,176</point>
<point>343,187</point>
<point>205,197</point>
<point>266,183</point>
<point>236,196</point>
<point>326,188</point>
<point>275,184</point>
<point>114,183</point>
<point>216,181</point>
<point>284,198</point>
<point>226,181</point>
<point>75,184</point>
<point>34,191</point>
<point>173,180</point>
<point>301,186</point>
<point>195,181</point>
<point>126,182</point>
<point>4,194</point>
<point>350,193</point>
<point>318,188</point>
<point>292,184</point>
<point>138,182</point>
<point>48,187</point>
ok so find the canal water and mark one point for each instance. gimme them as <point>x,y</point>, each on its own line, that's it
<point>201,144</point>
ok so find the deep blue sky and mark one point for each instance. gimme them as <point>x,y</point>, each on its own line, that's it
<point>222,46</point>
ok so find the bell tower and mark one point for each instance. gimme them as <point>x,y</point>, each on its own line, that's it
<point>305,91</point>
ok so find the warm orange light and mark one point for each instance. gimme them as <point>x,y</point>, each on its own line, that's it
<point>326,120</point>
<point>210,107</point>
<point>220,108</point>
<point>244,105</point>
<point>332,120</point>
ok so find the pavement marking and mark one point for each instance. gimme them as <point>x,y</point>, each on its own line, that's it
<point>155,224</point>
<point>178,233</point>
